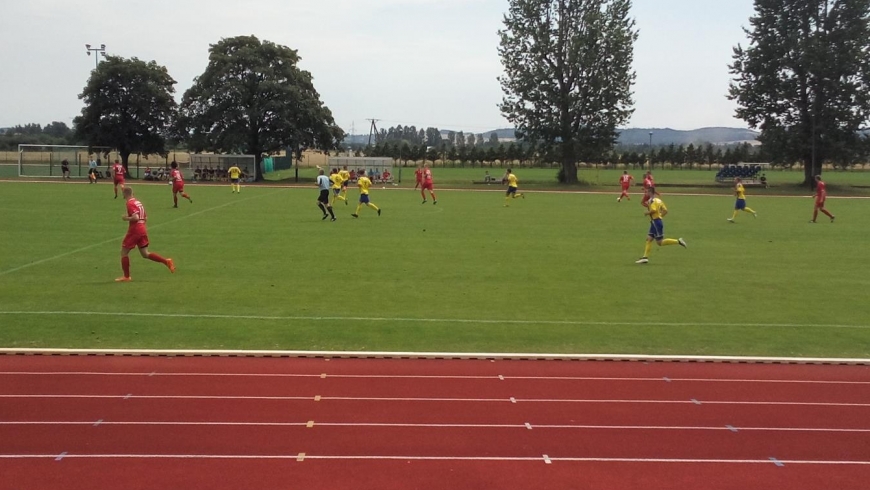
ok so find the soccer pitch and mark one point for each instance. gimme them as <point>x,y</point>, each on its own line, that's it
<point>552,273</point>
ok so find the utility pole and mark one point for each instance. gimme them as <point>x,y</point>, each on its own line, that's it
<point>373,130</point>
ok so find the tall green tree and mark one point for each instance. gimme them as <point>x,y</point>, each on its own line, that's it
<point>568,75</point>
<point>253,99</point>
<point>804,79</point>
<point>128,106</point>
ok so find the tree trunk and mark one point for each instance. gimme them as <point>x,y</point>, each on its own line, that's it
<point>810,172</point>
<point>125,159</point>
<point>569,171</point>
<point>258,166</point>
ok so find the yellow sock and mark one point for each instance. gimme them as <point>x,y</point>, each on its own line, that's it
<point>749,210</point>
<point>734,215</point>
<point>507,200</point>
<point>371,205</point>
<point>669,241</point>
<point>647,249</point>
<point>358,207</point>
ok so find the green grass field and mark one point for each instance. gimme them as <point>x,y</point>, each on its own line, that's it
<point>552,273</point>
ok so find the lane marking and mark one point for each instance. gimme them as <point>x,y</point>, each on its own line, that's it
<point>426,320</point>
<point>121,237</point>
<point>732,428</point>
<point>547,459</point>
<point>424,399</point>
<point>152,373</point>
<point>420,376</point>
<point>128,396</point>
<point>537,459</point>
<point>777,462</point>
<point>696,402</point>
<point>667,380</point>
<point>60,456</point>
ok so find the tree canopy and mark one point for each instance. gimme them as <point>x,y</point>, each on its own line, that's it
<point>568,75</point>
<point>254,99</point>
<point>804,79</point>
<point>128,106</point>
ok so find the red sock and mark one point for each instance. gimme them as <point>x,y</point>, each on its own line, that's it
<point>125,266</point>
<point>175,198</point>
<point>156,258</point>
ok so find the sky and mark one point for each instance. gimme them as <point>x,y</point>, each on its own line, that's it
<point>410,62</point>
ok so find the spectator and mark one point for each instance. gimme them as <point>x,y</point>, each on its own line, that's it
<point>387,176</point>
<point>764,180</point>
<point>148,175</point>
<point>197,174</point>
<point>92,171</point>
<point>488,178</point>
<point>64,167</point>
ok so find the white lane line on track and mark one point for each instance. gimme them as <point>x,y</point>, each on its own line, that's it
<point>425,320</point>
<point>429,399</point>
<point>121,237</point>
<point>415,376</point>
<point>526,426</point>
<point>536,459</point>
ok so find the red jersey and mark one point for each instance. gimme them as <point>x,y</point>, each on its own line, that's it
<point>427,175</point>
<point>118,171</point>
<point>419,175</point>
<point>821,192</point>
<point>136,207</point>
<point>175,176</point>
<point>648,182</point>
<point>625,180</point>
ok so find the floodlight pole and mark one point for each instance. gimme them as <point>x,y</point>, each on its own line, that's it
<point>96,51</point>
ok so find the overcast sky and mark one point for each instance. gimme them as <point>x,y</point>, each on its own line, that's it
<point>421,62</point>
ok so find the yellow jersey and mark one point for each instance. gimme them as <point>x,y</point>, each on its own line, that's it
<point>657,208</point>
<point>364,183</point>
<point>512,180</point>
<point>235,172</point>
<point>740,192</point>
<point>345,175</point>
<point>336,181</point>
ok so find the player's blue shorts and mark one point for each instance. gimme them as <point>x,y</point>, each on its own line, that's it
<point>234,181</point>
<point>740,204</point>
<point>512,190</point>
<point>364,198</point>
<point>657,229</point>
<point>336,191</point>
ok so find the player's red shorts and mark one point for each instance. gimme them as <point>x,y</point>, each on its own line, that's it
<point>177,187</point>
<point>119,181</point>
<point>426,186</point>
<point>136,237</point>
<point>625,187</point>
<point>645,200</point>
<point>820,203</point>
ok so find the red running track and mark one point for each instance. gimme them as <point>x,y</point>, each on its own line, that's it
<point>226,423</point>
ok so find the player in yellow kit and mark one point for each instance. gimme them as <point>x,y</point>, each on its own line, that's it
<point>512,183</point>
<point>235,174</point>
<point>345,179</point>
<point>740,205</point>
<point>656,211</point>
<point>364,183</point>
<point>337,186</point>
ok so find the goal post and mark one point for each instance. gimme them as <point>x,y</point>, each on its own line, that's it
<point>47,160</point>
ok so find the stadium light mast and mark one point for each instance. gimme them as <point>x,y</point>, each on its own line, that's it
<point>96,51</point>
<point>650,140</point>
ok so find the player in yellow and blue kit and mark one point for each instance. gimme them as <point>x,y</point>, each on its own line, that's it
<point>364,183</point>
<point>337,182</point>
<point>740,205</point>
<point>512,188</point>
<point>656,211</point>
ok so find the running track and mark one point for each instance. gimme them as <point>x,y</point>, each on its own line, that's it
<point>108,422</point>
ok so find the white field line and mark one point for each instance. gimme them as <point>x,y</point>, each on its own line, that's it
<point>405,376</point>
<point>431,399</point>
<point>418,320</point>
<point>536,459</point>
<point>119,238</point>
<point>438,426</point>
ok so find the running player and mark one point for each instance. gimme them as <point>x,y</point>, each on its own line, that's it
<point>427,185</point>
<point>821,195</point>
<point>177,184</point>
<point>345,179</point>
<point>336,180</point>
<point>740,205</point>
<point>235,174</point>
<point>323,199</point>
<point>625,182</point>
<point>137,236</point>
<point>648,182</point>
<point>118,176</point>
<point>364,183</point>
<point>418,177</point>
<point>512,187</point>
<point>656,212</point>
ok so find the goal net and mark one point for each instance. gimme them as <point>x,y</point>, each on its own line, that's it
<point>47,160</point>
<point>378,169</point>
<point>213,167</point>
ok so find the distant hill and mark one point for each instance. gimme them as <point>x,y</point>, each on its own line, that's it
<point>630,136</point>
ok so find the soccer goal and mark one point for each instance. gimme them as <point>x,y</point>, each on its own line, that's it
<point>378,169</point>
<point>213,167</point>
<point>47,160</point>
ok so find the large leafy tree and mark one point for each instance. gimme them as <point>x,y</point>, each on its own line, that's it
<point>568,75</point>
<point>253,99</point>
<point>128,106</point>
<point>804,79</point>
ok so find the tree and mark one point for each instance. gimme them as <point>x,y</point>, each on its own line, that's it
<point>254,99</point>
<point>568,75</point>
<point>57,129</point>
<point>803,80</point>
<point>128,106</point>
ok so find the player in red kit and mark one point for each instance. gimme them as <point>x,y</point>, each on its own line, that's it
<point>625,182</point>
<point>118,176</point>
<point>137,236</point>
<point>821,195</point>
<point>648,182</point>
<point>418,176</point>
<point>177,184</point>
<point>427,184</point>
